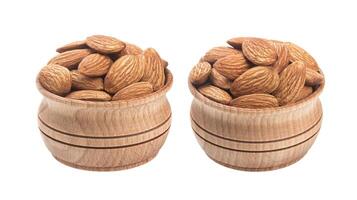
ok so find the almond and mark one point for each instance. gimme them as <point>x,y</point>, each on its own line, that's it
<point>219,80</point>
<point>70,58</point>
<point>255,101</point>
<point>103,66</point>
<point>283,56</point>
<point>154,71</point>
<point>232,66</point>
<point>238,41</point>
<point>82,82</point>
<point>218,52</point>
<point>292,80</point>
<point>56,79</point>
<point>124,71</point>
<point>73,45</point>
<point>130,49</point>
<point>95,65</point>
<point>200,73</point>
<point>164,63</point>
<point>313,77</point>
<point>89,95</point>
<point>305,92</point>
<point>216,94</point>
<point>134,90</point>
<point>256,80</point>
<point>297,53</point>
<point>105,44</point>
<point>258,73</point>
<point>259,51</point>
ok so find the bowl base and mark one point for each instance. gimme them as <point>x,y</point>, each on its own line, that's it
<point>114,168</point>
<point>256,169</point>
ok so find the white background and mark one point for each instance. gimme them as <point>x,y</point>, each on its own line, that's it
<point>181,31</point>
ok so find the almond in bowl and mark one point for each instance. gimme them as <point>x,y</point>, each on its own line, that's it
<point>256,103</point>
<point>104,104</point>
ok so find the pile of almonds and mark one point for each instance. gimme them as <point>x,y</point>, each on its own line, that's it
<point>256,73</point>
<point>103,68</point>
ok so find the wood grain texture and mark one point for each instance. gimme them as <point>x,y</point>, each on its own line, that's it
<point>256,161</point>
<point>104,142</point>
<point>255,146</point>
<point>104,159</point>
<point>256,139</point>
<point>105,135</point>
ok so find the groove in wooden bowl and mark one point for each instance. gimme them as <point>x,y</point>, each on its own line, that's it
<point>105,136</point>
<point>256,139</point>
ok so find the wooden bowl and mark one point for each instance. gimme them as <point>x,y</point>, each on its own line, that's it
<point>256,139</point>
<point>105,136</point>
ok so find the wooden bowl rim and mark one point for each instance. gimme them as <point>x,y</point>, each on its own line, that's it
<point>119,103</point>
<point>288,107</point>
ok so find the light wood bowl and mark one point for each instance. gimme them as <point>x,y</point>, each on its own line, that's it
<point>105,136</point>
<point>256,139</point>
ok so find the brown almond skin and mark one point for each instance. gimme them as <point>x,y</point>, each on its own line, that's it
<point>95,65</point>
<point>292,81</point>
<point>297,53</point>
<point>124,71</point>
<point>200,73</point>
<point>89,95</point>
<point>282,52</point>
<point>164,63</point>
<point>232,66</point>
<point>219,80</point>
<point>238,41</point>
<point>105,44</point>
<point>259,51</point>
<point>70,58</point>
<point>130,49</point>
<point>256,80</point>
<point>56,79</point>
<point>134,90</point>
<point>83,82</point>
<point>304,93</point>
<point>218,52</point>
<point>313,77</point>
<point>255,101</point>
<point>154,71</point>
<point>72,46</point>
<point>216,94</point>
